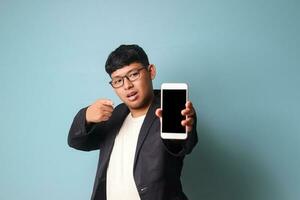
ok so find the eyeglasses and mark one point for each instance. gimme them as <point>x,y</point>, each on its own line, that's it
<point>133,75</point>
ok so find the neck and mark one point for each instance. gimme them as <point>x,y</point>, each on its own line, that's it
<point>140,112</point>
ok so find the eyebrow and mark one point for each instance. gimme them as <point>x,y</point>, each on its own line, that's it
<point>125,74</point>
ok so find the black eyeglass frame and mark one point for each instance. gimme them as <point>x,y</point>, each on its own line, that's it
<point>127,76</point>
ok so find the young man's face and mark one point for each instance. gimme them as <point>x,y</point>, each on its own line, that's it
<point>137,94</point>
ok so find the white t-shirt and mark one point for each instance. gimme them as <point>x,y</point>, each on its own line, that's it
<point>120,183</point>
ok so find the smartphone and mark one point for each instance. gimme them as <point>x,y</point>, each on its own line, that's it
<point>173,99</point>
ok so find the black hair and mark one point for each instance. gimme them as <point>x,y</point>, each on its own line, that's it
<point>125,55</point>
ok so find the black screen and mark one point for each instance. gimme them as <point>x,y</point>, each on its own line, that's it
<point>173,103</point>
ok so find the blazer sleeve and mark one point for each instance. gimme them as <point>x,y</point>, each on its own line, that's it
<point>183,147</point>
<point>85,137</point>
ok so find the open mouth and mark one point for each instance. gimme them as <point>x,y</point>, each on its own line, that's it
<point>132,96</point>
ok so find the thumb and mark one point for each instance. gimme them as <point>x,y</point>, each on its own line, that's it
<point>158,112</point>
<point>108,102</point>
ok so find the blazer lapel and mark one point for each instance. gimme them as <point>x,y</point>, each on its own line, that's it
<point>118,121</point>
<point>150,117</point>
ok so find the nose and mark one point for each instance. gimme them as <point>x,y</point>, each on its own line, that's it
<point>127,83</point>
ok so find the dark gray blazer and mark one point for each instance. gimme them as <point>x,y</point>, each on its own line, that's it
<point>157,164</point>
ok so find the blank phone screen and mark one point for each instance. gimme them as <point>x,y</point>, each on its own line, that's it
<point>173,103</point>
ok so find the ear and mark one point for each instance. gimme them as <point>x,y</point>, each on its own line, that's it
<point>152,71</point>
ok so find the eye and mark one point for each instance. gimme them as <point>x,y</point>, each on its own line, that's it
<point>133,75</point>
<point>116,81</point>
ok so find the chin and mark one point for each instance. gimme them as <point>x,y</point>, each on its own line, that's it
<point>134,105</point>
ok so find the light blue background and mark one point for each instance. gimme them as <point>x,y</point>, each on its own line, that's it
<point>240,58</point>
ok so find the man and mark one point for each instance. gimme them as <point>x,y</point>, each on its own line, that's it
<point>135,163</point>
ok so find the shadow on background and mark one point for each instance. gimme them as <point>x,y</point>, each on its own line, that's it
<point>216,172</point>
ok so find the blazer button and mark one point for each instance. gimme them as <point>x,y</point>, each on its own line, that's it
<point>143,189</point>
